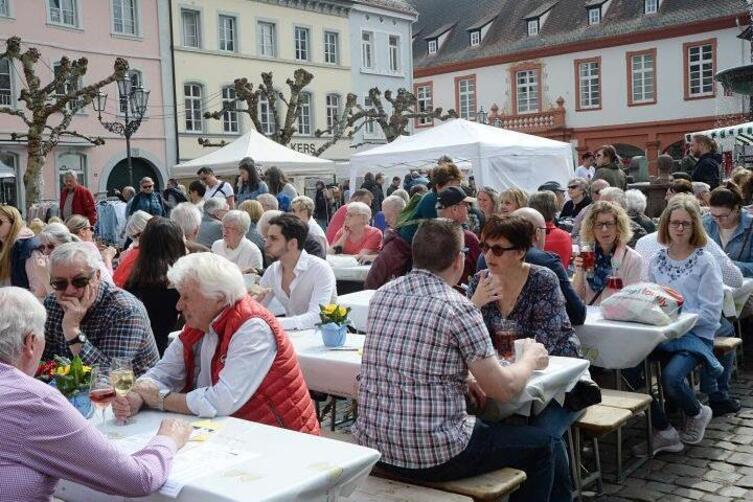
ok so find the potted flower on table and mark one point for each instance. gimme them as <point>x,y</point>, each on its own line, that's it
<point>334,324</point>
<point>72,378</point>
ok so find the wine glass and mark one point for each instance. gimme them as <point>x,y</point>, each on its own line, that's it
<point>121,376</point>
<point>101,392</point>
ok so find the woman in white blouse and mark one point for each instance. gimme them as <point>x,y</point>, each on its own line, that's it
<point>235,246</point>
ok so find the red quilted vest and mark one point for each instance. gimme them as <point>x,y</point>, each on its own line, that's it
<point>282,398</point>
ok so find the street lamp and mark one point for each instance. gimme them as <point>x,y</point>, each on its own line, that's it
<point>136,100</point>
<point>481,116</point>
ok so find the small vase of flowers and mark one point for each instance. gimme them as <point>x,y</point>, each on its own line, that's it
<point>334,325</point>
<point>71,378</point>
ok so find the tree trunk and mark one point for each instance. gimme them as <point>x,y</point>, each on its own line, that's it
<point>33,177</point>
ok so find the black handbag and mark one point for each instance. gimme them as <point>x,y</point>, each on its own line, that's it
<point>585,393</point>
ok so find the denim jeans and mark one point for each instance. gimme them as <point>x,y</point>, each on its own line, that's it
<point>494,446</point>
<point>718,388</point>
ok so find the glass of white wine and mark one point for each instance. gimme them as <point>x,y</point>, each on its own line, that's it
<point>121,377</point>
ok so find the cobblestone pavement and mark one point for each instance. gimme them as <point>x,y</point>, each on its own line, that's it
<point>719,469</point>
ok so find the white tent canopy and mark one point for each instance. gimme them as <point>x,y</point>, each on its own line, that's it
<point>500,158</point>
<point>728,137</point>
<point>264,151</point>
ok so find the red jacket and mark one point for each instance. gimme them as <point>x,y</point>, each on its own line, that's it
<point>282,398</point>
<point>83,203</point>
<point>559,242</point>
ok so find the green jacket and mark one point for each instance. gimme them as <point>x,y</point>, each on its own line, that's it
<point>612,174</point>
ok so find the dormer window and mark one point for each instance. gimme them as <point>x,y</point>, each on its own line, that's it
<point>594,15</point>
<point>650,6</point>
<point>432,46</point>
<point>475,38</point>
<point>533,27</point>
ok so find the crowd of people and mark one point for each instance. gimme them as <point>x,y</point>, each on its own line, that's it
<point>452,262</point>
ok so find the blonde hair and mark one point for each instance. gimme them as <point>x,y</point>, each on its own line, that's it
<point>36,225</point>
<point>689,204</point>
<point>516,195</point>
<point>76,223</point>
<point>253,208</point>
<point>6,248</point>
<point>624,232</point>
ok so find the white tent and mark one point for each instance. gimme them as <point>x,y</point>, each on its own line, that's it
<point>728,137</point>
<point>500,158</point>
<point>264,151</point>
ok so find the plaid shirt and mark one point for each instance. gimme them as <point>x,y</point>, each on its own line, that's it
<point>116,325</point>
<point>422,335</point>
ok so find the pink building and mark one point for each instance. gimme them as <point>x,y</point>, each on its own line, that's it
<point>100,31</point>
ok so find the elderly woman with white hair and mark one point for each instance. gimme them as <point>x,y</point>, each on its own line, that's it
<point>235,246</point>
<point>357,237</point>
<point>45,438</point>
<point>134,226</point>
<point>188,217</point>
<point>268,202</point>
<point>577,190</point>
<point>55,234</point>
<point>81,228</point>
<point>635,205</point>
<point>232,357</point>
<point>303,207</point>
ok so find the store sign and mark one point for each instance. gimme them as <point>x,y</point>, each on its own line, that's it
<point>308,148</point>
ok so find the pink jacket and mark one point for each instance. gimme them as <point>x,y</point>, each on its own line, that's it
<point>629,271</point>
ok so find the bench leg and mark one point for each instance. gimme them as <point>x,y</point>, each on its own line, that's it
<point>574,464</point>
<point>599,476</point>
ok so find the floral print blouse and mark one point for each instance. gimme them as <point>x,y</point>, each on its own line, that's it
<point>539,312</point>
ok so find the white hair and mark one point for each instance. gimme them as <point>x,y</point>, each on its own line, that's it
<point>531,215</point>
<point>70,252</point>
<point>303,202</point>
<point>581,182</point>
<point>613,194</point>
<point>359,208</point>
<point>263,224</point>
<point>215,276</point>
<point>69,173</point>
<point>394,202</point>
<point>635,201</point>
<point>239,218</point>
<point>187,216</point>
<point>699,187</point>
<point>136,224</point>
<point>215,204</point>
<point>402,194</point>
<point>56,233</point>
<point>267,199</point>
<point>22,314</point>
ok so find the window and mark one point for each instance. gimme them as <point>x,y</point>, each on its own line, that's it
<point>642,81</point>
<point>9,189</point>
<point>589,84</point>
<point>194,97</point>
<point>265,116</point>
<point>369,126</point>
<point>594,15</point>
<point>4,8</point>
<point>72,162</point>
<point>304,119</point>
<point>266,39</point>
<point>301,43</point>
<point>191,28</point>
<point>331,47</point>
<point>527,91</point>
<point>424,104</point>
<point>367,49</point>
<point>229,104</point>
<point>227,33</point>
<point>136,81</point>
<point>465,91</point>
<point>124,17</point>
<point>6,90</point>
<point>65,87</point>
<point>332,107</point>
<point>475,38</point>
<point>533,27</point>
<point>63,12</point>
<point>650,6</point>
<point>394,47</point>
<point>699,69</point>
<point>432,46</point>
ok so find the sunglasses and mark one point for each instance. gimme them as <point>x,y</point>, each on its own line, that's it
<point>496,249</point>
<point>572,187</point>
<point>47,247</point>
<point>76,282</point>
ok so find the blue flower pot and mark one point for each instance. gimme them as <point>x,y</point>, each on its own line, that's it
<point>82,403</point>
<point>333,335</point>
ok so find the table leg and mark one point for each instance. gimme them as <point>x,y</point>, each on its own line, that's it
<point>618,379</point>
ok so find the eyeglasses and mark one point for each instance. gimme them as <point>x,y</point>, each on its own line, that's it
<point>76,282</point>
<point>721,216</point>
<point>147,186</point>
<point>47,247</point>
<point>676,225</point>
<point>496,249</point>
<point>572,187</point>
<point>606,225</point>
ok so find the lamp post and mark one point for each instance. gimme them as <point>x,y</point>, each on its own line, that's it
<point>136,100</point>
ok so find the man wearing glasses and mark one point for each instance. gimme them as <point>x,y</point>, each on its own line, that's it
<point>91,318</point>
<point>148,200</point>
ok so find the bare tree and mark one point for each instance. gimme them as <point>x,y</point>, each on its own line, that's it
<point>393,122</point>
<point>59,101</point>
<point>283,125</point>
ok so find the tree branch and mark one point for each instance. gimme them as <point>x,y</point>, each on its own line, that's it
<point>17,113</point>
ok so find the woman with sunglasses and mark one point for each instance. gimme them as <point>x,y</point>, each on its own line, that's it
<point>511,200</point>
<point>81,228</point>
<point>19,256</point>
<point>577,190</point>
<point>606,229</point>
<point>55,234</point>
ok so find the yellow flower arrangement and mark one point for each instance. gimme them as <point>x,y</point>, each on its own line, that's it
<point>334,313</point>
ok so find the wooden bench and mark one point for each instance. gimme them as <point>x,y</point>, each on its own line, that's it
<point>493,485</point>
<point>723,345</point>
<point>375,489</point>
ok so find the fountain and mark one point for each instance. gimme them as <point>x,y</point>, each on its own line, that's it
<point>739,79</point>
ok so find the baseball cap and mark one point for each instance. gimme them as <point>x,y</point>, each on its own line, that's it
<point>552,186</point>
<point>451,196</point>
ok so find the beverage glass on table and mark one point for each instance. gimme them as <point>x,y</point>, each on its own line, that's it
<point>101,392</point>
<point>614,282</point>
<point>121,376</point>
<point>504,339</point>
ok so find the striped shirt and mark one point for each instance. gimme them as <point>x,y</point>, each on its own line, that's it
<point>422,335</point>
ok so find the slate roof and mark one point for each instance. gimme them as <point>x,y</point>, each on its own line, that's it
<point>397,5</point>
<point>567,22</point>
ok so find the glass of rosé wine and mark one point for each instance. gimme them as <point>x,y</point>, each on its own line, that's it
<point>101,391</point>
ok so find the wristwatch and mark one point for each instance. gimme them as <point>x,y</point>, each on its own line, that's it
<point>163,393</point>
<point>79,338</point>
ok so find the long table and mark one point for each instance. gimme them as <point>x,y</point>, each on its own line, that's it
<point>275,464</point>
<point>347,268</point>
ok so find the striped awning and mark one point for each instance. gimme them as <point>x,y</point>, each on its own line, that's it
<point>742,133</point>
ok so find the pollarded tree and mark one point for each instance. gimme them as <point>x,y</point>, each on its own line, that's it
<point>50,108</point>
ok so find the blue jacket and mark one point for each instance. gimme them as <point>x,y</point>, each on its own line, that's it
<point>740,245</point>
<point>152,203</point>
<point>576,309</point>
<point>21,251</point>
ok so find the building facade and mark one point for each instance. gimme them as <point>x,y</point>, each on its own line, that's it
<point>637,74</point>
<point>99,31</point>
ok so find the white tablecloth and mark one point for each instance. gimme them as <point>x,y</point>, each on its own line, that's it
<point>347,268</point>
<point>359,304</point>
<point>286,465</point>
<point>621,345</point>
<point>735,298</point>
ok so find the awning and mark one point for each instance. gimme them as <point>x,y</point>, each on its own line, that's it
<point>741,134</point>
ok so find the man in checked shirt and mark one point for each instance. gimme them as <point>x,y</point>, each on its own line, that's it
<point>91,318</point>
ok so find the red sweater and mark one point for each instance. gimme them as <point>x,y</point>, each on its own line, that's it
<point>282,398</point>
<point>559,242</point>
<point>83,203</point>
